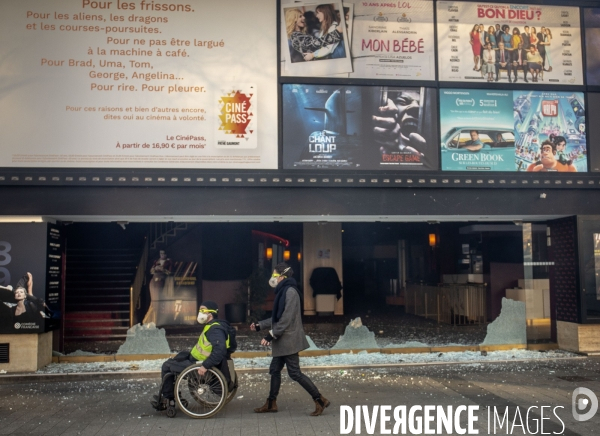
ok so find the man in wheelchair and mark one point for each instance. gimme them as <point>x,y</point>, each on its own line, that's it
<point>214,348</point>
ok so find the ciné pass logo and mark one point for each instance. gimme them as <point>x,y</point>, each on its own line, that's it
<point>438,420</point>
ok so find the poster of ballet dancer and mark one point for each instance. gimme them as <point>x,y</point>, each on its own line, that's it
<point>30,277</point>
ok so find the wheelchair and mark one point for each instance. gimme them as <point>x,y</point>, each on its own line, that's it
<point>202,397</point>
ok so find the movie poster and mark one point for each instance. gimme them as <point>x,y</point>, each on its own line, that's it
<point>472,122</point>
<point>592,46</point>
<point>550,131</point>
<point>393,40</point>
<point>354,127</point>
<point>482,42</point>
<point>316,38</point>
<point>495,130</point>
<point>29,302</point>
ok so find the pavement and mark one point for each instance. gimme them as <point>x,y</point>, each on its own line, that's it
<point>101,406</point>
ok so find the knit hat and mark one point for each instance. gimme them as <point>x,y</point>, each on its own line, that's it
<point>211,305</point>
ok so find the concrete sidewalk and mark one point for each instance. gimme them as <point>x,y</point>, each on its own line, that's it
<point>120,407</point>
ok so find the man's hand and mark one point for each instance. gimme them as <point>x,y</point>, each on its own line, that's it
<point>255,327</point>
<point>386,127</point>
<point>308,56</point>
<point>266,341</point>
<point>387,131</point>
<point>202,370</point>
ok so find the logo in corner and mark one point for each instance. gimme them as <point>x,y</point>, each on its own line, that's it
<point>580,404</point>
<point>17,325</point>
<point>235,113</point>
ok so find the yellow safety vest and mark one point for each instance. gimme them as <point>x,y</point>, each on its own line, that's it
<point>203,348</point>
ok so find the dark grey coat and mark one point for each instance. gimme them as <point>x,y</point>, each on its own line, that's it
<point>288,333</point>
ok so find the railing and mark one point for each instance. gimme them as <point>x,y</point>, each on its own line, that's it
<point>458,304</point>
<point>160,232</point>
<point>138,282</point>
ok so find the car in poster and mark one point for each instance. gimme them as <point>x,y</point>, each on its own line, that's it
<point>496,153</point>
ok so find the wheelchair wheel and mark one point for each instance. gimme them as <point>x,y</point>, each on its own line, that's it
<point>201,396</point>
<point>171,412</point>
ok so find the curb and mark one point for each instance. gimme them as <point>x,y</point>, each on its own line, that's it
<point>134,375</point>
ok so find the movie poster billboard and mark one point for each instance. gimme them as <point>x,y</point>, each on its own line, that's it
<point>393,40</point>
<point>592,45</point>
<point>503,42</point>
<point>316,39</point>
<point>28,301</point>
<point>138,84</point>
<point>359,127</point>
<point>496,130</point>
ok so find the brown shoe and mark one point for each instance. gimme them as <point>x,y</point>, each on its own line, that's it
<point>270,406</point>
<point>320,405</point>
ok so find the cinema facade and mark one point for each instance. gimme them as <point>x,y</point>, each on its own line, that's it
<point>393,163</point>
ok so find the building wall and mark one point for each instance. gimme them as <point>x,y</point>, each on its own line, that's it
<point>27,353</point>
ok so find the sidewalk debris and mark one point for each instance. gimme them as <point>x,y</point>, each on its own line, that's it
<point>361,359</point>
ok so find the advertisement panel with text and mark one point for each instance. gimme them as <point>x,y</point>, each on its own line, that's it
<point>357,39</point>
<point>359,127</point>
<point>138,84</point>
<point>513,42</point>
<point>497,130</point>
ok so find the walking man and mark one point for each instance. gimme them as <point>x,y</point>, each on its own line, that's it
<point>286,335</point>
